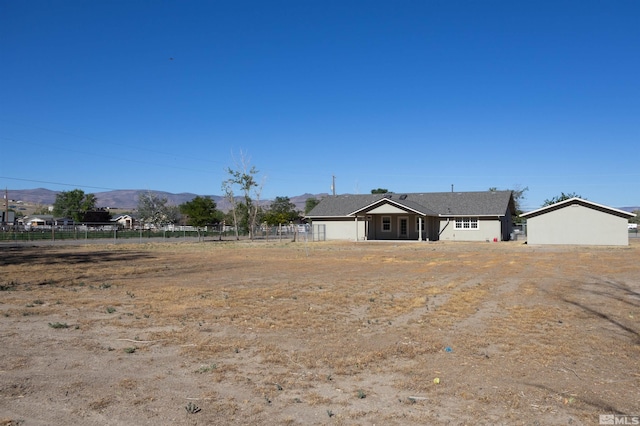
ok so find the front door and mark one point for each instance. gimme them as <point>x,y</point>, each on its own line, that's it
<point>403,227</point>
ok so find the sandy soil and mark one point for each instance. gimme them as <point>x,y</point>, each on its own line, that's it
<point>220,333</point>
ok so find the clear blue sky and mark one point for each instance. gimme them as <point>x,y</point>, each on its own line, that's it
<point>412,96</point>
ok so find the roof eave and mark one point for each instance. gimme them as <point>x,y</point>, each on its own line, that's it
<point>572,200</point>
<point>472,215</point>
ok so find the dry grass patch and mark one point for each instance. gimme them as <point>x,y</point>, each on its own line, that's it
<point>264,333</point>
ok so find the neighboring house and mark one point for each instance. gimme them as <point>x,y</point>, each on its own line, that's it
<point>455,216</point>
<point>124,221</point>
<point>578,221</point>
<point>38,221</point>
<point>44,221</point>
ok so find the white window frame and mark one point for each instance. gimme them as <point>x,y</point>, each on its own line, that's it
<point>382,223</point>
<point>466,224</point>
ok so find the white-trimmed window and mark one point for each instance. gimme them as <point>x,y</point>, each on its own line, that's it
<point>466,223</point>
<point>386,223</point>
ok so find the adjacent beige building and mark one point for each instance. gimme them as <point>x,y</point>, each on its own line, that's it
<point>577,221</point>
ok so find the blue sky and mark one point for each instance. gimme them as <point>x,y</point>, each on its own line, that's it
<point>412,96</point>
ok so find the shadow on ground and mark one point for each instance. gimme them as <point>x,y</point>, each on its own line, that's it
<point>40,255</point>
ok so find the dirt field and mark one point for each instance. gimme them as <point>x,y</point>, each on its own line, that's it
<point>221,333</point>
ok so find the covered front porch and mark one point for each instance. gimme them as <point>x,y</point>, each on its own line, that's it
<point>386,220</point>
<point>401,226</point>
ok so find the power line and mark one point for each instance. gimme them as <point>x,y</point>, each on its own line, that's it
<point>59,183</point>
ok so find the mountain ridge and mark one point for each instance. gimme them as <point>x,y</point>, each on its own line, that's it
<point>127,199</point>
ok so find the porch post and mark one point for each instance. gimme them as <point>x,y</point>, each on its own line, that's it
<point>366,229</point>
<point>356,228</point>
<point>419,228</point>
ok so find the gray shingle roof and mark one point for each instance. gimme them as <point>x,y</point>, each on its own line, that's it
<point>485,203</point>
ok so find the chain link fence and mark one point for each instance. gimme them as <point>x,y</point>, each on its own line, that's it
<point>294,232</point>
<point>89,232</point>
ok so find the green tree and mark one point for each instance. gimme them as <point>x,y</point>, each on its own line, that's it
<point>281,211</point>
<point>73,204</point>
<point>201,211</point>
<point>379,191</point>
<point>154,210</point>
<point>310,203</point>
<point>242,216</point>
<point>518,197</point>
<point>561,197</point>
<point>96,216</point>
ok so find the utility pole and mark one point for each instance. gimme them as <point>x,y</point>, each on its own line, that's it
<point>333,185</point>
<point>5,218</point>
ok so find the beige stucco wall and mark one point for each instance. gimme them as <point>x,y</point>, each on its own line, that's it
<point>577,224</point>
<point>342,229</point>
<point>488,229</point>
<point>345,229</point>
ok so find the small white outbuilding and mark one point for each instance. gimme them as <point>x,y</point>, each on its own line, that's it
<point>579,222</point>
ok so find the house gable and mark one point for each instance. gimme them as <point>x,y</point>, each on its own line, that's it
<point>386,209</point>
<point>387,205</point>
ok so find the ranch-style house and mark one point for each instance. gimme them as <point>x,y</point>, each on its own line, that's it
<point>453,216</point>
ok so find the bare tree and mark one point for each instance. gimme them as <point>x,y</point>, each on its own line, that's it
<point>153,209</point>
<point>229,195</point>
<point>243,177</point>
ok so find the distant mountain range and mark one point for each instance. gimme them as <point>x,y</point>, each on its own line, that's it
<point>630,209</point>
<point>127,199</point>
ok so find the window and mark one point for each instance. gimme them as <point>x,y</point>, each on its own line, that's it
<point>466,223</point>
<point>418,223</point>
<point>386,223</point>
